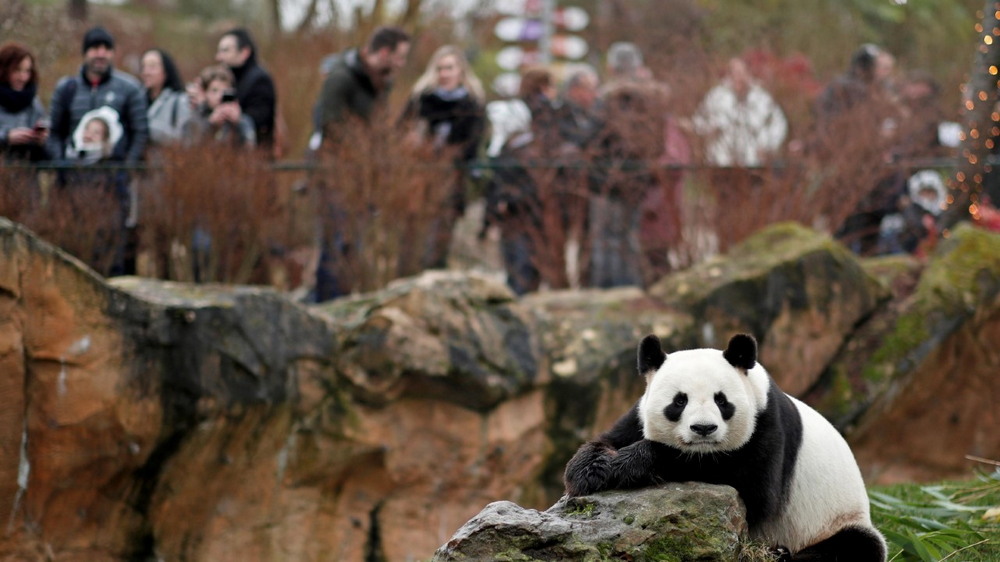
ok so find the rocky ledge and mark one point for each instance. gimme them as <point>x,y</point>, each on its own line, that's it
<point>144,420</point>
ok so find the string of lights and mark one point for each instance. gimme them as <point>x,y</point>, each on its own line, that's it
<point>982,123</point>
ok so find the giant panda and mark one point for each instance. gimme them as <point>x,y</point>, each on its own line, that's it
<point>716,416</point>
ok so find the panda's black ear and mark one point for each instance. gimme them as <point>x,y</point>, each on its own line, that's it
<point>741,352</point>
<point>651,354</point>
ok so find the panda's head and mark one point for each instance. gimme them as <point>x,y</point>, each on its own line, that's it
<point>702,400</point>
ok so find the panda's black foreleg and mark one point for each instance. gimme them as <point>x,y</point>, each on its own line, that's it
<point>589,471</point>
<point>850,544</point>
<point>597,466</point>
<point>635,465</point>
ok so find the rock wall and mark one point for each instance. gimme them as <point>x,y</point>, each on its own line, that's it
<point>143,419</point>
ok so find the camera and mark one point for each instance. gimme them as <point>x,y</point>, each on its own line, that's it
<point>229,96</point>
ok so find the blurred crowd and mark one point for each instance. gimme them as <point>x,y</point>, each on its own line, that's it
<point>614,222</point>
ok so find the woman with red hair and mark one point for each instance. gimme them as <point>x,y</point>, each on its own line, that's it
<point>23,121</point>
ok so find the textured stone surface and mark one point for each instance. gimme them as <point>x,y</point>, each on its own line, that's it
<point>674,522</point>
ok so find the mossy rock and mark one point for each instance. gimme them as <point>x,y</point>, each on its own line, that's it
<point>799,292</point>
<point>962,278</point>
<point>689,521</point>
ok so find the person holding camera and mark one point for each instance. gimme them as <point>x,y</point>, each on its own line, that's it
<point>169,107</point>
<point>219,117</point>
<point>253,85</point>
<point>23,122</point>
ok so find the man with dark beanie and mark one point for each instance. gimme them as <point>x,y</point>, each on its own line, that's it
<point>254,86</point>
<point>97,85</point>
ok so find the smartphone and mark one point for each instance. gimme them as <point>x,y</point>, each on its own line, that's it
<point>229,96</point>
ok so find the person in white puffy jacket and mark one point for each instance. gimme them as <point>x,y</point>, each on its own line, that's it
<point>95,136</point>
<point>741,123</point>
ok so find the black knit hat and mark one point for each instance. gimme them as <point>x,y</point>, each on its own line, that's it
<point>97,36</point>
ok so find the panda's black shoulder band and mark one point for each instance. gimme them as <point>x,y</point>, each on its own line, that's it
<point>741,351</point>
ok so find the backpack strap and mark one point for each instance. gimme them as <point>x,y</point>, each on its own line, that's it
<point>65,101</point>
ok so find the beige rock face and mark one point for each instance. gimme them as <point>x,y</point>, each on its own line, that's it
<point>216,423</point>
<point>143,419</point>
<point>952,400</point>
<point>76,418</point>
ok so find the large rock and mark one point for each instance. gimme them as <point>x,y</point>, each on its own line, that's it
<point>799,292</point>
<point>452,337</point>
<point>933,372</point>
<point>78,415</point>
<point>673,522</point>
<point>399,412</point>
<point>847,388</point>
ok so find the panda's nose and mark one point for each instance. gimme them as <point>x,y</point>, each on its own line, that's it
<point>704,429</point>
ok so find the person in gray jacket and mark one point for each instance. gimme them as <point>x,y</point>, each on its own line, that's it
<point>23,121</point>
<point>169,106</point>
<point>219,119</point>
<point>23,130</point>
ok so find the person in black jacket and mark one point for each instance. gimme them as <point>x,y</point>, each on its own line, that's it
<point>254,86</point>
<point>446,102</point>
<point>355,88</point>
<point>359,81</point>
<point>97,84</point>
<point>445,111</point>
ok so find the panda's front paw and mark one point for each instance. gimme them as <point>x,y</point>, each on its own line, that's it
<point>781,554</point>
<point>634,465</point>
<point>589,471</point>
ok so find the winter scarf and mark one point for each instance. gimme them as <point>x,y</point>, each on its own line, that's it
<point>15,101</point>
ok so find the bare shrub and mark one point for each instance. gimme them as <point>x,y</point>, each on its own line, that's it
<point>20,195</point>
<point>83,214</point>
<point>833,177</point>
<point>378,199</point>
<point>555,217</point>
<point>214,214</point>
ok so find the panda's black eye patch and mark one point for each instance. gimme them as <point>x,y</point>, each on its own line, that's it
<point>676,408</point>
<point>726,408</point>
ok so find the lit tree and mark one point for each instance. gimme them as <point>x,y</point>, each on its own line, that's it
<point>982,120</point>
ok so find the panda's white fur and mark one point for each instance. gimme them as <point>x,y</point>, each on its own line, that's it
<point>826,491</point>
